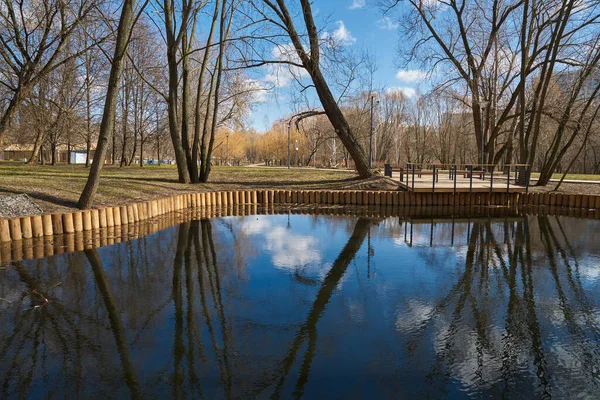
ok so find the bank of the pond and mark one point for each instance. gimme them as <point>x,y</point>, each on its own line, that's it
<point>88,227</point>
<point>56,189</point>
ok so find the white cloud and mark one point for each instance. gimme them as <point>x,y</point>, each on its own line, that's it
<point>341,36</point>
<point>387,24</point>
<point>288,250</point>
<point>413,316</point>
<point>281,75</point>
<point>356,4</point>
<point>405,90</point>
<point>410,75</point>
<point>259,89</point>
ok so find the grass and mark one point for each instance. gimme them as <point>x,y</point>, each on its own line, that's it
<point>580,177</point>
<point>58,188</point>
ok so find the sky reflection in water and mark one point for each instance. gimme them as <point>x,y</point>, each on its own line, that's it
<point>278,306</point>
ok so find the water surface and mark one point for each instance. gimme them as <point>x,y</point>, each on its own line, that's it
<point>290,306</point>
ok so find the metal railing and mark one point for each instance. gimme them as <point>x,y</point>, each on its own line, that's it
<point>515,174</point>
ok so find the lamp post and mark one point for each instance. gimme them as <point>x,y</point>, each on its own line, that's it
<point>227,148</point>
<point>289,124</point>
<point>483,105</point>
<point>371,131</point>
<point>371,137</point>
<point>296,146</point>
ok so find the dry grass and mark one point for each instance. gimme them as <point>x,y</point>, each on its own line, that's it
<point>579,177</point>
<point>58,188</point>
<point>568,188</point>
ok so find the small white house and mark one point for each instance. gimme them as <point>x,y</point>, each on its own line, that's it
<point>78,157</point>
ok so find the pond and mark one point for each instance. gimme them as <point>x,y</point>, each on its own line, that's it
<point>291,306</point>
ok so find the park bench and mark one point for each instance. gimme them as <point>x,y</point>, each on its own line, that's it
<point>418,173</point>
<point>466,173</point>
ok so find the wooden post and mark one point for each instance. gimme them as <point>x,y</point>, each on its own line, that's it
<point>26,231</point>
<point>37,229</point>
<point>136,213</point>
<point>95,219</point>
<point>110,220</point>
<point>117,216</point>
<point>124,215</point>
<point>224,199</point>
<point>68,223</point>
<point>270,197</point>
<point>254,199</point>
<point>87,220</point>
<point>78,221</point>
<point>57,226</point>
<point>47,224</point>
<point>141,212</point>
<point>102,216</point>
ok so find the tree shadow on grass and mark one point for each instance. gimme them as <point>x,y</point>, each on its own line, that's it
<point>44,197</point>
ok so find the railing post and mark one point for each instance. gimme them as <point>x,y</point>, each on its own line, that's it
<point>508,181</point>
<point>413,178</point>
<point>527,176</point>
<point>471,179</point>
<point>455,179</point>
<point>433,180</point>
<point>491,179</point>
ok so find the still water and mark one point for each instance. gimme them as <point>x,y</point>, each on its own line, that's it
<point>278,306</point>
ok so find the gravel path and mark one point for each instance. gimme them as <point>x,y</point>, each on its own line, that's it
<point>17,206</point>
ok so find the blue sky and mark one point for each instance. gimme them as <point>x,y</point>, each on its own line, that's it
<point>358,23</point>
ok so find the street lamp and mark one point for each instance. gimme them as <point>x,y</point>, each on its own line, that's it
<point>296,146</point>
<point>371,132</point>
<point>483,105</point>
<point>227,149</point>
<point>289,124</point>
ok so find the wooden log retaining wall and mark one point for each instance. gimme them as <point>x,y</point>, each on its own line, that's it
<point>174,211</point>
<point>37,226</point>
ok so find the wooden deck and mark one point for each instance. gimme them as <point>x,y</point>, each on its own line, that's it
<point>444,184</point>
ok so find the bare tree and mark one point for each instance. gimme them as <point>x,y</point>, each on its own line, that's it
<point>279,16</point>
<point>33,36</point>
<point>126,22</point>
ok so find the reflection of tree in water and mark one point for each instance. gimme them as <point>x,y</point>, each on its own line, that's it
<point>497,320</point>
<point>308,330</point>
<point>62,319</point>
<point>175,290</point>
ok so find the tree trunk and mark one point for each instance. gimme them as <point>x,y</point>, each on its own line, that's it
<point>198,115</point>
<point>110,105</point>
<point>37,145</point>
<point>223,33</point>
<point>340,124</point>
<point>172,103</point>
<point>88,111</point>
<point>141,151</point>
<point>185,97</point>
